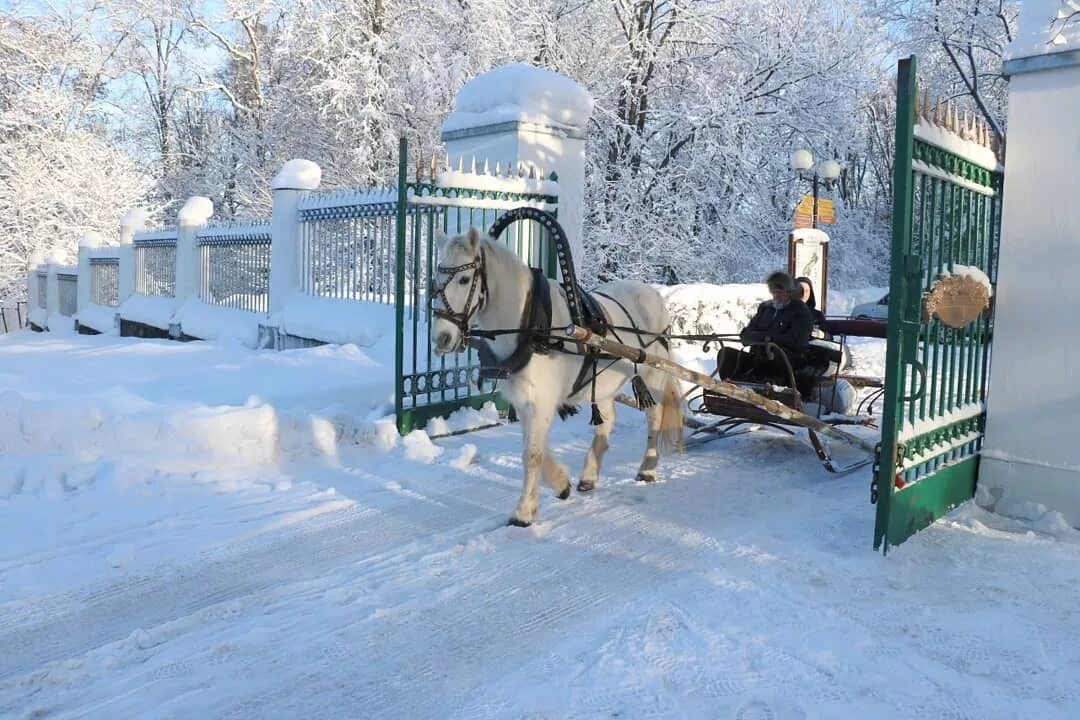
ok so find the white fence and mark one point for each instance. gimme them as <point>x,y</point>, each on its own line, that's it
<point>300,277</point>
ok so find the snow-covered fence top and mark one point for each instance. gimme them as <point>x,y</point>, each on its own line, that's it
<point>103,255</point>
<point>451,188</point>
<point>236,232</point>
<point>158,237</point>
<point>348,203</point>
<point>234,265</point>
<point>962,134</point>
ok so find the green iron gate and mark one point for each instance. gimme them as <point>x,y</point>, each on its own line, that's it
<point>946,230</point>
<point>428,386</point>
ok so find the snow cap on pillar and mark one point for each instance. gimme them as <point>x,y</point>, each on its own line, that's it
<point>297,174</point>
<point>521,93</point>
<point>91,239</point>
<point>133,220</point>
<point>1045,27</point>
<point>196,211</point>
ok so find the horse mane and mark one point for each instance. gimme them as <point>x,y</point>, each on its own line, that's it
<point>504,255</point>
<point>497,254</point>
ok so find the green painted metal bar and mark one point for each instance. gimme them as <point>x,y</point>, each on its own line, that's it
<point>918,505</point>
<point>894,362</point>
<point>927,247</point>
<point>399,291</point>
<point>420,380</point>
<point>423,284</point>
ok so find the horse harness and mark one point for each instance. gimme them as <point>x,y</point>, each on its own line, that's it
<point>534,331</point>
<point>462,320</point>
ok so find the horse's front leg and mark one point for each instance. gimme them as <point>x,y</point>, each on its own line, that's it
<point>600,444</point>
<point>536,418</point>
<point>647,472</point>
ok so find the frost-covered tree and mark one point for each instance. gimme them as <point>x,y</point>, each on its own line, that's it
<point>960,45</point>
<point>60,174</point>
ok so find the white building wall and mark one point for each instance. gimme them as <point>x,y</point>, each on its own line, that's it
<point>1032,450</point>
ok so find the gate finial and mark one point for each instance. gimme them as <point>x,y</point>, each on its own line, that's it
<point>937,112</point>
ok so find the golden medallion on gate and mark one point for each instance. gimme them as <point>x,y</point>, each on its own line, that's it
<point>957,299</point>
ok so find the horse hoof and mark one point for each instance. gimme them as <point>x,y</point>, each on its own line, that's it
<point>585,486</point>
<point>514,522</point>
<point>646,477</point>
<point>565,493</point>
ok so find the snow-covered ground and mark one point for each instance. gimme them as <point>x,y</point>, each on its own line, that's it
<point>192,530</point>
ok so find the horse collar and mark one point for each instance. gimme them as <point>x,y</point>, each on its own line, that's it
<point>534,327</point>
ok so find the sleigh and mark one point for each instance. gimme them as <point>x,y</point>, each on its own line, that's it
<point>822,378</point>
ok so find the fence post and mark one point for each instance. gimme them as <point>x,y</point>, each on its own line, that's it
<point>293,181</point>
<point>32,285</point>
<point>52,291</point>
<point>547,134</point>
<point>83,297</point>
<point>196,211</point>
<point>131,222</point>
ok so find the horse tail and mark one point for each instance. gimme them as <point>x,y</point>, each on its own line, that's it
<point>671,419</point>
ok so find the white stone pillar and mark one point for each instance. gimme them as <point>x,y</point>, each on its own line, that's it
<point>89,242</point>
<point>132,222</point>
<point>296,179</point>
<point>52,290</point>
<point>1030,453</point>
<point>196,211</point>
<point>518,113</point>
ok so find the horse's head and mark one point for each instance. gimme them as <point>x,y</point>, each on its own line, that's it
<point>459,291</point>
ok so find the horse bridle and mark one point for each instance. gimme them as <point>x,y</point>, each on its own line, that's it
<point>463,320</point>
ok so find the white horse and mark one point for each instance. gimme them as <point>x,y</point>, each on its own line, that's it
<point>482,284</point>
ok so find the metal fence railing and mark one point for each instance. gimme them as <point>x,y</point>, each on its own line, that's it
<point>349,245</point>
<point>155,263</point>
<point>105,281</point>
<point>234,267</point>
<point>67,288</point>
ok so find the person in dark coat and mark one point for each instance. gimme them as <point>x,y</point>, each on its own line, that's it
<point>810,300</point>
<point>785,320</point>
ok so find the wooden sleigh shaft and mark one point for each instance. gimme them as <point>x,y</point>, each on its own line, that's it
<point>773,408</point>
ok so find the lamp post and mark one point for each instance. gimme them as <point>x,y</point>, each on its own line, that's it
<point>827,173</point>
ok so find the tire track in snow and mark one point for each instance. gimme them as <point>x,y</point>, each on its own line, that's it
<point>489,621</point>
<point>79,622</point>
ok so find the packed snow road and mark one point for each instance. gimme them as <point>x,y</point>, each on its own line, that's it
<point>197,550</point>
